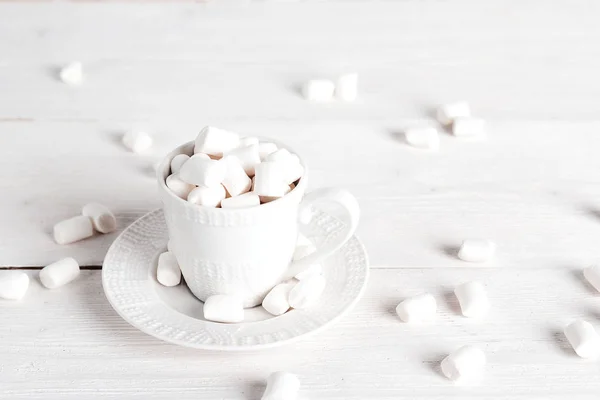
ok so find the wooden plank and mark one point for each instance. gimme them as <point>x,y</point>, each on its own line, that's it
<point>68,343</point>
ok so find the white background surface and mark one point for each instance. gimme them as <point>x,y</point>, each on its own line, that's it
<point>528,67</point>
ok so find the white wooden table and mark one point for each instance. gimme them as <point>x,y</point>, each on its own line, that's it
<point>530,68</point>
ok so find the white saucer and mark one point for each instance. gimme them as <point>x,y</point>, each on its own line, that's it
<point>175,315</point>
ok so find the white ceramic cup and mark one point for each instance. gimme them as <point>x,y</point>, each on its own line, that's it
<point>245,251</point>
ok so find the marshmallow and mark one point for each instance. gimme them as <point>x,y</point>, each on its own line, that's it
<point>179,187</point>
<point>137,141</point>
<point>266,148</point>
<point>307,291</point>
<point>319,90</point>
<point>279,155</point>
<point>476,250</point>
<point>303,251</point>
<point>248,157</point>
<point>583,338</point>
<point>215,141</point>
<point>447,113</point>
<point>245,200</point>
<point>468,127</point>
<point>423,138</point>
<point>102,219</point>
<point>313,269</point>
<point>236,181</point>
<point>72,74</point>
<point>473,299</point>
<point>269,180</point>
<point>13,284</point>
<point>281,386</point>
<point>207,196</point>
<point>59,273</point>
<point>168,272</point>
<point>465,363</point>
<point>177,162</point>
<point>289,163</point>
<point>248,140</point>
<point>346,88</point>
<point>202,171</point>
<point>276,302</point>
<point>224,308</point>
<point>418,308</point>
<point>592,274</point>
<point>73,229</point>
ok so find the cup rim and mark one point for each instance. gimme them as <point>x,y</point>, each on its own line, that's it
<point>166,163</point>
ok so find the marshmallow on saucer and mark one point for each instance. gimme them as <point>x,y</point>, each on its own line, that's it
<point>276,302</point>
<point>224,308</point>
<point>168,272</point>
<point>215,141</point>
<point>307,291</point>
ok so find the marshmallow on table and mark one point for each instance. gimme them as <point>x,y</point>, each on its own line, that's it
<point>245,200</point>
<point>266,148</point>
<point>207,196</point>
<point>276,302</point>
<point>235,181</point>
<point>319,90</point>
<point>177,162</point>
<point>473,299</point>
<point>476,250</point>
<point>13,284</point>
<point>346,88</point>
<point>103,220</point>
<point>418,308</point>
<point>307,291</point>
<point>59,273</point>
<point>224,308</point>
<point>592,274</point>
<point>468,127</point>
<point>137,141</point>
<point>168,272</point>
<point>73,229</point>
<point>281,386</point>
<point>447,113</point>
<point>423,138</point>
<point>248,140</point>
<point>215,141</point>
<point>72,74</point>
<point>202,171</point>
<point>180,188</point>
<point>465,363</point>
<point>248,157</point>
<point>583,338</point>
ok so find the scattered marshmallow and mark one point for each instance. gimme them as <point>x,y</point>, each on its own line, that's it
<point>592,274</point>
<point>282,386</point>
<point>583,338</point>
<point>276,302</point>
<point>168,272</point>
<point>207,196</point>
<point>137,141</point>
<point>235,181</point>
<point>465,363</point>
<point>177,162</point>
<point>447,113</point>
<point>247,156</point>
<point>245,200</point>
<point>248,140</point>
<point>423,138</point>
<point>307,292</point>
<point>266,148</point>
<point>72,74</point>
<point>13,284</point>
<point>224,308</point>
<point>473,299</point>
<point>318,90</point>
<point>214,141</point>
<point>59,273</point>
<point>73,229</point>
<point>179,187</point>
<point>269,180</point>
<point>468,127</point>
<point>419,308</point>
<point>476,250</point>
<point>313,269</point>
<point>203,171</point>
<point>346,88</point>
<point>103,219</point>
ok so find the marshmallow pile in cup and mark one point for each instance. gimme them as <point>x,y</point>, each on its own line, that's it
<point>231,171</point>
